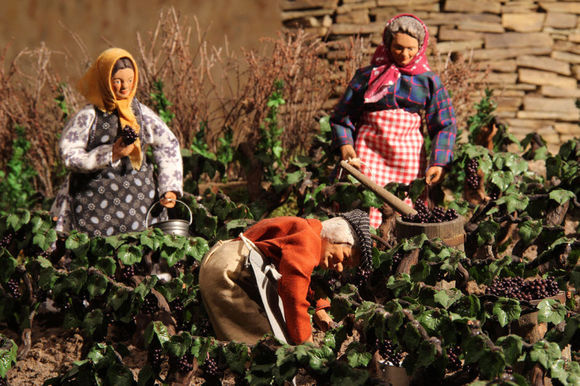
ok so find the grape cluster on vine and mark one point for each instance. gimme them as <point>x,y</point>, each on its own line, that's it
<point>520,289</point>
<point>127,273</point>
<point>426,216</point>
<point>471,177</point>
<point>13,288</point>
<point>155,357</point>
<point>210,368</point>
<point>150,305</point>
<point>454,363</point>
<point>6,240</point>
<point>129,135</point>
<point>185,364</point>
<point>388,351</point>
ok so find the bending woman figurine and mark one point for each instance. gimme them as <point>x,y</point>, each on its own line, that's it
<point>377,125</point>
<point>111,185</point>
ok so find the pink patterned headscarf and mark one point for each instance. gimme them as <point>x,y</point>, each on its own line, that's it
<point>387,72</point>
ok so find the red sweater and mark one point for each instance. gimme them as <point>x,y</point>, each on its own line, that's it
<point>293,245</point>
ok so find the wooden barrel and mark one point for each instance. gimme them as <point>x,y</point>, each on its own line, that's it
<point>451,232</point>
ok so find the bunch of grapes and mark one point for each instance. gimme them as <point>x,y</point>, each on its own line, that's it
<point>471,177</point>
<point>426,216</point>
<point>129,135</point>
<point>155,357</point>
<point>210,368</point>
<point>185,364</point>
<point>453,354</point>
<point>520,289</point>
<point>389,352</point>
<point>6,240</point>
<point>127,273</point>
<point>150,305</point>
<point>13,288</point>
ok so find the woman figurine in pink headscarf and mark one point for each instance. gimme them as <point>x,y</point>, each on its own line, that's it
<point>377,123</point>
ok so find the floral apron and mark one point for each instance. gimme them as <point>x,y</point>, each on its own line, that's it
<point>115,199</point>
<point>390,147</point>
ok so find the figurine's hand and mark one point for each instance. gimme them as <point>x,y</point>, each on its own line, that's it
<point>121,150</point>
<point>348,153</point>
<point>323,321</point>
<point>434,175</point>
<point>168,199</point>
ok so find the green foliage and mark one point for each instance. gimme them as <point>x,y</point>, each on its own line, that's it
<point>17,181</point>
<point>161,103</point>
<point>8,352</point>
<point>421,312</point>
<point>269,148</point>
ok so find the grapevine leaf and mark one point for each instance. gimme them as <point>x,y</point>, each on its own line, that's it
<point>357,355</point>
<point>344,375</point>
<point>486,232</point>
<point>237,356</point>
<point>92,321</point>
<point>512,347</point>
<point>566,372</point>
<point>129,254</point>
<point>474,348</point>
<point>545,353</point>
<point>8,265</point>
<point>492,364</point>
<point>78,243</point>
<point>106,265</point>
<point>119,374</point>
<point>551,311</point>
<point>8,353</point>
<point>426,354</point>
<point>529,230</point>
<point>447,297</point>
<point>179,344</point>
<point>96,285</point>
<point>506,310</point>
<point>502,179</point>
<point>159,330</point>
<point>561,196</point>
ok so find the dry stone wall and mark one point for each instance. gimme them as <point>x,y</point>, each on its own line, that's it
<point>530,48</point>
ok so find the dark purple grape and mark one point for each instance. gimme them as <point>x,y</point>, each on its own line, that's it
<point>389,352</point>
<point>150,305</point>
<point>127,273</point>
<point>185,363</point>
<point>471,177</point>
<point>13,288</point>
<point>155,357</point>
<point>520,289</point>
<point>210,368</point>
<point>454,363</point>
<point>6,240</point>
<point>129,135</point>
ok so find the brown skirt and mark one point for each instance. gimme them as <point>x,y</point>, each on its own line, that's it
<point>230,294</point>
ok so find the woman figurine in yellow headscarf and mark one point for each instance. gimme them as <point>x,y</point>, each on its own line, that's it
<point>111,186</point>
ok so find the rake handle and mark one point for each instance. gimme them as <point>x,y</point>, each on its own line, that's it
<point>388,197</point>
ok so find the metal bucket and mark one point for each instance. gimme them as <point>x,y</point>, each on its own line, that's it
<point>177,227</point>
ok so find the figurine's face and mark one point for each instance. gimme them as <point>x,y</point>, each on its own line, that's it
<point>337,256</point>
<point>122,83</point>
<point>404,48</point>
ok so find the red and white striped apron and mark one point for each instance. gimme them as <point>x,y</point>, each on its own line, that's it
<point>390,147</point>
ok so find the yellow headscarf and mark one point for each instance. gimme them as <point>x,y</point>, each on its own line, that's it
<point>95,85</point>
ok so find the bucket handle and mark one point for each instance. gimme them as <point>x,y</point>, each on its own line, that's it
<point>157,202</point>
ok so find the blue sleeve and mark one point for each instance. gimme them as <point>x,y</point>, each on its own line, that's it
<point>441,123</point>
<point>346,114</point>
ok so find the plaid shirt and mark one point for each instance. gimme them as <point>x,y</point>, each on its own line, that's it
<point>414,93</point>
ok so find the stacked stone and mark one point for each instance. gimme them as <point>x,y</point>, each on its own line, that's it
<point>531,48</point>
